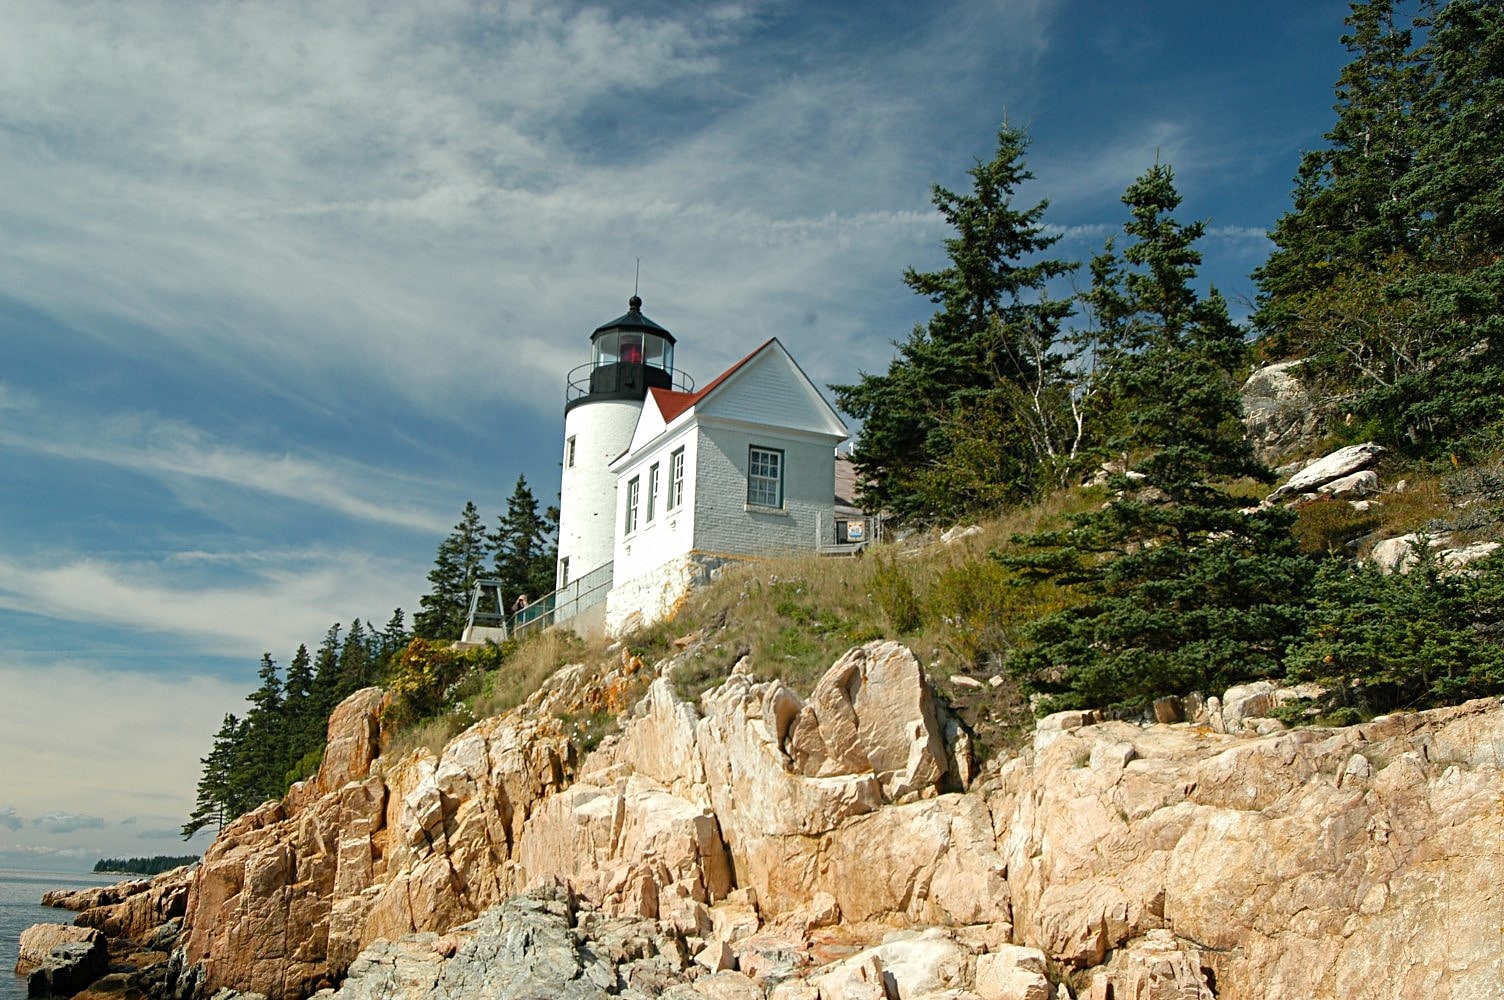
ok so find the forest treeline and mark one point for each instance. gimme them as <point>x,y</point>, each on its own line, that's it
<point>280,738</point>
<point>1036,373</point>
<point>154,865</point>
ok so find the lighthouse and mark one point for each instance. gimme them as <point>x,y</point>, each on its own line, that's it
<point>602,401</point>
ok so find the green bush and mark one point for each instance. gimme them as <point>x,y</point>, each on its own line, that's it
<point>1404,640</point>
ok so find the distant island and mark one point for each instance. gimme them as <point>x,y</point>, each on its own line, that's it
<point>144,866</point>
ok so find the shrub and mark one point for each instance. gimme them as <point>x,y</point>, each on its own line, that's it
<point>1404,640</point>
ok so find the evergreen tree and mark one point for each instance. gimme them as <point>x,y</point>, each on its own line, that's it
<point>460,562</point>
<point>1181,589</point>
<point>218,801</point>
<point>305,728</point>
<point>1448,394</point>
<point>355,662</point>
<point>393,640</point>
<point>261,762</point>
<point>524,547</point>
<point>1348,212</point>
<point>326,673</point>
<point>1388,271</point>
<point>955,423</point>
<point>1380,641</point>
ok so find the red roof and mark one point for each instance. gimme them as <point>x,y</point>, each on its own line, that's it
<point>672,403</point>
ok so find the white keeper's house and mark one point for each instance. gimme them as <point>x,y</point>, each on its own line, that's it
<point>663,484</point>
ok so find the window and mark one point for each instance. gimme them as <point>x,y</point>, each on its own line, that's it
<point>569,453</point>
<point>676,479</point>
<point>764,477</point>
<point>652,490</point>
<point>633,488</point>
<point>563,572</point>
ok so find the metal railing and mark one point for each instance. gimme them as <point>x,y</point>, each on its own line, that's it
<point>564,603</point>
<point>613,376</point>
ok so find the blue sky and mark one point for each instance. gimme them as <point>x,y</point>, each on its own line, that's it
<point>283,285</point>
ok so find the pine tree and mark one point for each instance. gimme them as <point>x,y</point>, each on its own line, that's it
<point>1348,211</point>
<point>1181,588</point>
<point>261,763</point>
<point>964,416</point>
<point>393,640</point>
<point>1448,395</point>
<point>304,727</point>
<point>217,800</point>
<point>523,543</point>
<point>355,661</point>
<point>326,673</point>
<point>460,562</point>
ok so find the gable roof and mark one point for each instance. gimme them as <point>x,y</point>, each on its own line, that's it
<point>672,403</point>
<point>669,405</point>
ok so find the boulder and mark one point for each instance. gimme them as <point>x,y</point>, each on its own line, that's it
<point>1339,464</point>
<point>1402,554</point>
<point>1356,485</point>
<point>1012,972</point>
<point>1279,413</point>
<point>872,711</point>
<point>68,968</point>
<point>38,940</point>
<point>1154,967</point>
<point>1243,702</point>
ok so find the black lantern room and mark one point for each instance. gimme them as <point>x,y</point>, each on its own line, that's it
<point>630,355</point>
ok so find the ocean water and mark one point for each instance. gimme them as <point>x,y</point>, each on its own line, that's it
<point>21,906</point>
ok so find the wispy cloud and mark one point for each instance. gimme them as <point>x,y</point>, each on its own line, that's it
<point>278,603</point>
<point>172,451</point>
<point>10,818</point>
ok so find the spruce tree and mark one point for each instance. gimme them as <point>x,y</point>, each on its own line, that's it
<point>523,544</point>
<point>1181,588</point>
<point>261,763</point>
<point>304,727</point>
<point>460,562</point>
<point>393,640</point>
<point>217,801</point>
<point>1348,212</point>
<point>355,661</point>
<point>954,424</point>
<point>326,673</point>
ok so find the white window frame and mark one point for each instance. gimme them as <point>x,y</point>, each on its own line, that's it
<point>569,452</point>
<point>675,479</point>
<point>634,491</point>
<point>652,493</point>
<point>765,471</point>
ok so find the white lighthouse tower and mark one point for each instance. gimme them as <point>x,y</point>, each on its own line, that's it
<point>603,399</point>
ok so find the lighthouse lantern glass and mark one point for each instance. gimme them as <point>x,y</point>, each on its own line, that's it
<point>606,348</point>
<point>659,352</point>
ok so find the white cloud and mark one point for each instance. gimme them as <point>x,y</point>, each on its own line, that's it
<point>10,818</point>
<point>172,451</point>
<point>282,600</point>
<point>58,821</point>
<point>303,196</point>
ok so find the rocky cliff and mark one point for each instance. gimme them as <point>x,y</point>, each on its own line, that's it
<point>760,843</point>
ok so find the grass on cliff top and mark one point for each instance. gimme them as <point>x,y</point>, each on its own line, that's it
<point>955,606</point>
